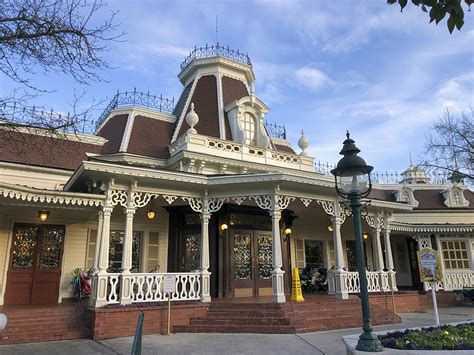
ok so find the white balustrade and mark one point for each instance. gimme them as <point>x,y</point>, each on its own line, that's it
<point>148,287</point>
<point>457,280</point>
<point>376,282</point>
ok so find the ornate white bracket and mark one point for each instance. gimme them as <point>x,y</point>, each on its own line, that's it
<point>267,202</point>
<point>195,203</point>
<point>331,210</point>
<point>141,199</point>
<point>306,201</point>
<point>118,197</point>
<point>239,199</point>
<point>170,198</point>
<point>215,204</point>
<point>376,221</point>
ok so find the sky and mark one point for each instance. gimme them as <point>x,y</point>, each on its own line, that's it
<point>321,66</point>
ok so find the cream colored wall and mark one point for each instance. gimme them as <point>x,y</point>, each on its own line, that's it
<point>5,225</point>
<point>44,178</point>
<point>452,216</point>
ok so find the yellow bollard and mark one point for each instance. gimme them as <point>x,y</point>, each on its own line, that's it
<point>296,294</point>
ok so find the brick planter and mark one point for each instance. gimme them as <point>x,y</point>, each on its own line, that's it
<point>121,321</point>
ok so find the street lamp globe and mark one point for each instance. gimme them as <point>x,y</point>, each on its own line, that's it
<point>352,180</point>
<point>352,174</point>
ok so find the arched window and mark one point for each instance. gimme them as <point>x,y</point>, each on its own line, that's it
<point>249,127</point>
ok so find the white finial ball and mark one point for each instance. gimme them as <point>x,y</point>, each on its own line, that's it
<point>192,119</point>
<point>3,321</point>
<point>303,143</point>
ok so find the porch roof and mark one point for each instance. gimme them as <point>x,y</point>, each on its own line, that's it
<point>192,184</point>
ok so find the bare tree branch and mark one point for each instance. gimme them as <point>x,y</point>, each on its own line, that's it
<point>450,145</point>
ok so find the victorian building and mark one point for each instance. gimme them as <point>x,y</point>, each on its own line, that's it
<point>205,190</point>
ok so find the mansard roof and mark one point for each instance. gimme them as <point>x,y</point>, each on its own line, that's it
<point>38,147</point>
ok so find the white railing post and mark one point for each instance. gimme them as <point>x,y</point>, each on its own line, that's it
<point>125,283</point>
<point>278,290</point>
<point>206,275</point>
<point>340,278</point>
<point>388,254</point>
<point>100,282</point>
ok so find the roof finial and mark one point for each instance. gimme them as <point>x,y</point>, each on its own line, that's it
<point>303,143</point>
<point>217,30</point>
<point>411,162</point>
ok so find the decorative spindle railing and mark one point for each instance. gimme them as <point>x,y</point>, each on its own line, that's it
<point>148,287</point>
<point>216,51</point>
<point>137,99</point>
<point>275,130</point>
<point>350,283</point>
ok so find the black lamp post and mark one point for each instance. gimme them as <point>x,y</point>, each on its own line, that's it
<point>352,179</point>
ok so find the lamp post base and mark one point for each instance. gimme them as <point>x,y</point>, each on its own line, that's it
<point>369,342</point>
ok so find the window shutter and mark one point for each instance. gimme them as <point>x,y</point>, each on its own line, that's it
<point>153,250</point>
<point>91,248</point>
<point>300,259</point>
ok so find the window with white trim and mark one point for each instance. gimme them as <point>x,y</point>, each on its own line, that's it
<point>455,254</point>
<point>249,127</point>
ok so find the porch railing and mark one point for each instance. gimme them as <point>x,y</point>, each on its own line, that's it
<point>349,282</point>
<point>457,280</point>
<point>148,287</point>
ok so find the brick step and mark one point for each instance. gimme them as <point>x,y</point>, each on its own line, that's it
<point>240,321</point>
<point>234,329</point>
<point>246,314</point>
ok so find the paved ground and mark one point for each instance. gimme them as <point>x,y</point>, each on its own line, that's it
<point>310,343</point>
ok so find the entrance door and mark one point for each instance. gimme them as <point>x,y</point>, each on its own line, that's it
<point>251,263</point>
<point>35,264</point>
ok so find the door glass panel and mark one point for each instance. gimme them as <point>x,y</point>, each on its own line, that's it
<point>242,252</point>
<point>264,256</point>
<point>51,248</point>
<point>192,252</point>
<point>314,253</point>
<point>24,248</point>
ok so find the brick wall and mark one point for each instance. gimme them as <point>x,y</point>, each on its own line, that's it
<point>414,302</point>
<point>119,321</point>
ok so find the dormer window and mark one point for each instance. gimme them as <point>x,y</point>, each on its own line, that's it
<point>248,126</point>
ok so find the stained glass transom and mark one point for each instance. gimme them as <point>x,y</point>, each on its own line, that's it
<point>455,254</point>
<point>50,252</point>
<point>24,248</point>
<point>264,257</point>
<point>192,252</point>
<point>243,256</point>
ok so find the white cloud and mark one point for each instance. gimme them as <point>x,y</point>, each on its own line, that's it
<point>311,78</point>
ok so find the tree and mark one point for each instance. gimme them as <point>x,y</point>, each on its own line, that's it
<point>44,36</point>
<point>438,9</point>
<point>449,147</point>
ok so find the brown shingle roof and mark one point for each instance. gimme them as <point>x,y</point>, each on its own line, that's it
<point>150,137</point>
<point>383,195</point>
<point>113,132</point>
<point>232,90</point>
<point>40,150</point>
<point>205,104</point>
<point>284,148</point>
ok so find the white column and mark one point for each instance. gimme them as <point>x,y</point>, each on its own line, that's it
<point>98,241</point>
<point>440,250</point>
<point>379,264</point>
<point>206,275</point>
<point>100,281</point>
<point>338,253</point>
<point>126,278</point>
<point>340,276</point>
<point>128,241</point>
<point>389,258</point>
<point>278,290</point>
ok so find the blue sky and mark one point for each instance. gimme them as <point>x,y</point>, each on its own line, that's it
<point>321,66</point>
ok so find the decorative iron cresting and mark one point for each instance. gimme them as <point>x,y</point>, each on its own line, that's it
<point>216,51</point>
<point>275,130</point>
<point>137,99</point>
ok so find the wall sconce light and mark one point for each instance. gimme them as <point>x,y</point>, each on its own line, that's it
<point>43,215</point>
<point>286,234</point>
<point>151,214</point>
<point>365,235</point>
<point>223,229</point>
<point>330,228</point>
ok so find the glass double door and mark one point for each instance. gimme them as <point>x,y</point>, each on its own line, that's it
<point>35,264</point>
<point>251,263</point>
